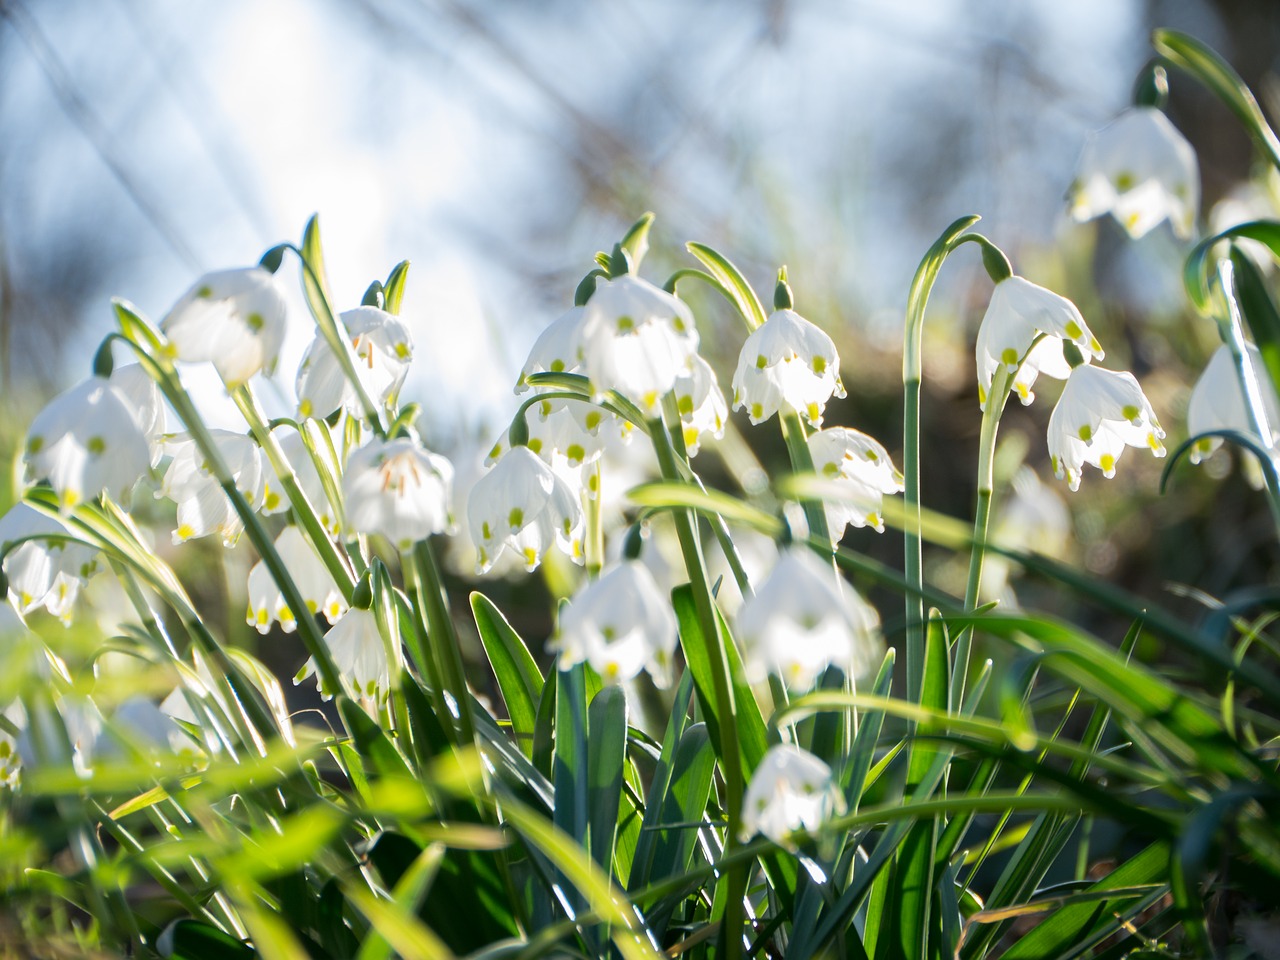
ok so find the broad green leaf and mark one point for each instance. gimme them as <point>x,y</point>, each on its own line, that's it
<point>569,763</point>
<point>393,289</point>
<point>377,751</point>
<point>606,756</point>
<point>544,726</point>
<point>731,283</point>
<point>685,803</point>
<point>641,865</point>
<point>519,679</point>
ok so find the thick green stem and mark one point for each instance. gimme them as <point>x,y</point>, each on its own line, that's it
<point>429,596</point>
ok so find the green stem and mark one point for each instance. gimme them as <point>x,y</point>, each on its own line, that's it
<point>429,596</point>
<point>793,432</point>
<point>691,547</point>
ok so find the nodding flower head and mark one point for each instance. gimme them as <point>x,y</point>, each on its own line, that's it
<point>398,489</point>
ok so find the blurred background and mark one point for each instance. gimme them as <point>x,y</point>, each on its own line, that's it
<point>499,145</point>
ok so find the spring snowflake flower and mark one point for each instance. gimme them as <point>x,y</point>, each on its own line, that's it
<point>47,571</point>
<point>1217,402</point>
<point>636,339</point>
<point>1020,311</point>
<point>87,442</point>
<point>864,472</point>
<point>787,362</point>
<point>790,790</point>
<point>1099,413</point>
<point>620,624</point>
<point>310,575</point>
<point>235,318</point>
<point>523,504</point>
<point>1141,170</point>
<point>359,654</point>
<point>558,348</point>
<point>383,348</point>
<point>802,620</point>
<point>141,395</point>
<point>399,489</point>
<point>203,507</point>
<point>701,404</point>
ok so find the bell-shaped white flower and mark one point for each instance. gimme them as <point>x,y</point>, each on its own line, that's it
<point>87,442</point>
<point>636,339</point>
<point>46,570</point>
<point>1217,402</point>
<point>359,654</point>
<point>141,395</point>
<point>802,620</point>
<point>399,489</point>
<point>620,624</point>
<point>203,507</point>
<point>383,348</point>
<point>862,468</point>
<point>790,790</point>
<point>1099,413</point>
<point>523,504</point>
<point>234,318</point>
<point>1141,170</point>
<point>1020,311</point>
<point>701,404</point>
<point>787,362</point>
<point>312,578</point>
<point>558,348</point>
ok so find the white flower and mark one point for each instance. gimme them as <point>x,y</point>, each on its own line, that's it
<point>203,507</point>
<point>701,404</point>
<point>862,468</point>
<point>1018,312</point>
<point>47,571</point>
<point>359,654</point>
<point>87,442</point>
<point>234,318</point>
<point>309,574</point>
<point>1217,402</point>
<point>1141,170</point>
<point>802,620</point>
<point>521,503</point>
<point>141,395</point>
<point>306,475</point>
<point>620,624</point>
<point>790,790</point>
<point>786,362</point>
<point>558,348</point>
<point>398,489</point>
<point>383,348</point>
<point>1099,413</point>
<point>636,339</point>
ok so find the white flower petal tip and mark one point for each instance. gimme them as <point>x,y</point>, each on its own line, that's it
<point>802,620</point>
<point>45,570</point>
<point>620,624</point>
<point>1099,413</point>
<point>1142,171</point>
<point>359,654</point>
<point>637,339</point>
<point>312,578</point>
<point>702,408</point>
<point>1218,403</point>
<point>789,362</point>
<point>87,442</point>
<point>558,348</point>
<point>234,318</point>
<point>398,489</point>
<point>382,346</point>
<point>203,507</point>
<point>1019,312</point>
<point>522,504</point>
<point>860,467</point>
<point>790,790</point>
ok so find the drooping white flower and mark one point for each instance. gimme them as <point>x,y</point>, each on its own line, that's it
<point>861,466</point>
<point>1217,402</point>
<point>399,489</point>
<point>790,790</point>
<point>701,404</point>
<point>802,620</point>
<point>203,507</point>
<point>383,348</point>
<point>142,396</point>
<point>787,362</point>
<point>620,624</point>
<point>558,348</point>
<point>1099,413</point>
<point>636,339</point>
<point>47,571</point>
<point>307,475</point>
<point>309,574</point>
<point>234,318</point>
<point>358,652</point>
<point>1018,312</point>
<point>1141,170</point>
<point>86,442</point>
<point>521,503</point>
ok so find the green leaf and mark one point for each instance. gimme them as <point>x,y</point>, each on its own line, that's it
<point>393,289</point>
<point>667,495</point>
<point>685,803</point>
<point>606,755</point>
<point>636,242</point>
<point>314,280</point>
<point>371,742</point>
<point>197,940</point>
<point>1195,272</point>
<point>1259,311</point>
<point>544,726</point>
<point>655,801</point>
<point>569,769</point>
<point>732,283</point>
<point>519,679</point>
